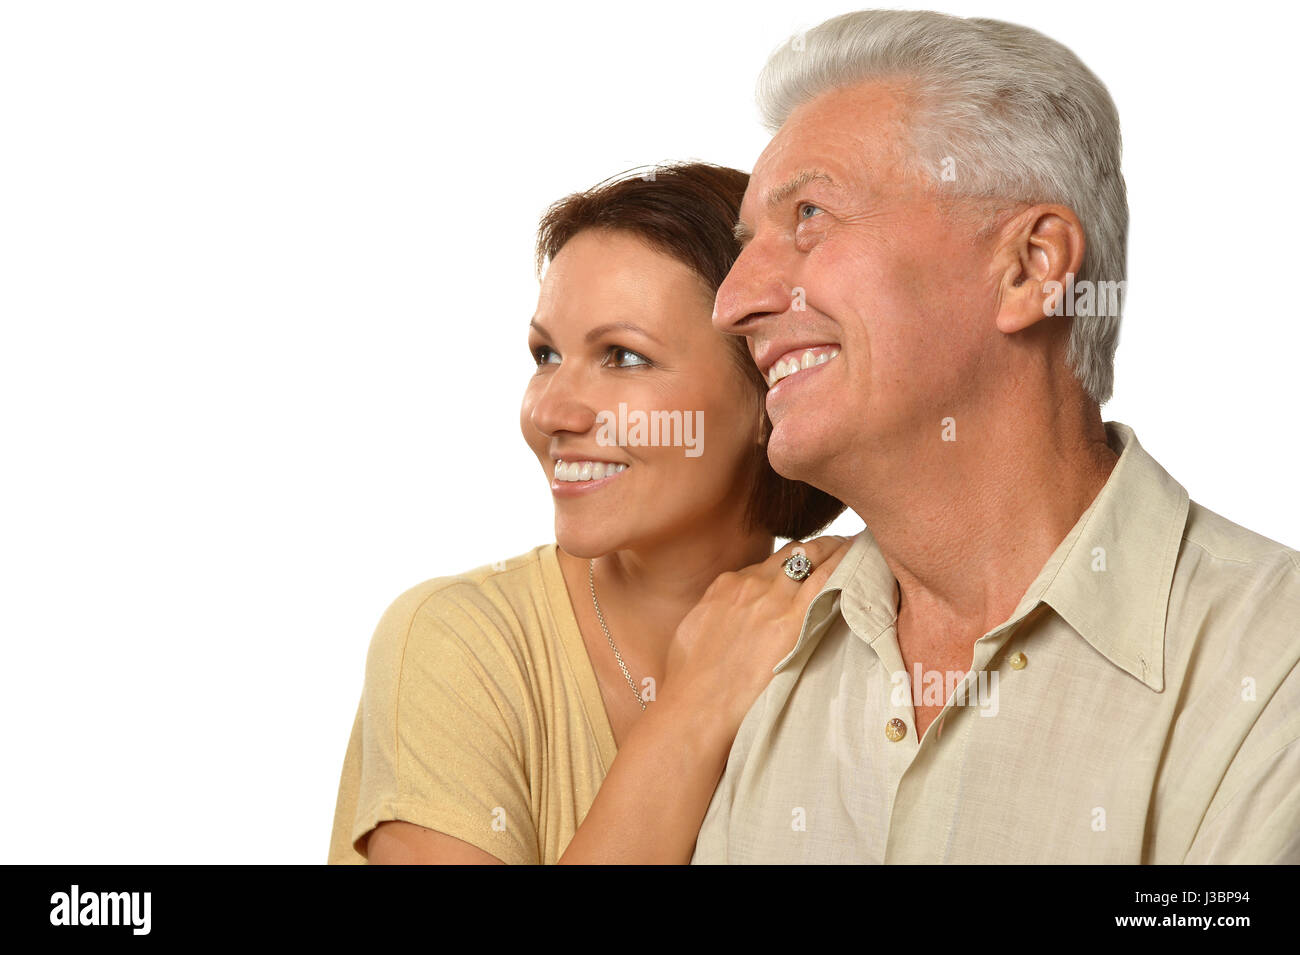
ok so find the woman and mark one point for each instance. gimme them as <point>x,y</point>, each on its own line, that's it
<point>578,704</point>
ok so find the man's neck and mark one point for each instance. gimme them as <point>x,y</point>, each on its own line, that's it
<point>966,525</point>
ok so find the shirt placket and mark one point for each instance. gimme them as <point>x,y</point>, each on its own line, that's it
<point>904,752</point>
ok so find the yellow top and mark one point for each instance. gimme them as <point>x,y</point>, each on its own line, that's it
<point>480,716</point>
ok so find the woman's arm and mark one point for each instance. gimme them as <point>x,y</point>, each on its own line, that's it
<point>662,781</point>
<point>651,804</point>
<point>435,743</point>
<point>404,843</point>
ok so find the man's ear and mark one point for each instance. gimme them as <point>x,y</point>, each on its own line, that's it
<point>1041,251</point>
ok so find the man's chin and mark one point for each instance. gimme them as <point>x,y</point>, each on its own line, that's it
<point>797,459</point>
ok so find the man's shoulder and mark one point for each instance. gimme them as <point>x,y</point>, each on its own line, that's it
<point>1234,638</point>
<point>1227,542</point>
<point>1235,587</point>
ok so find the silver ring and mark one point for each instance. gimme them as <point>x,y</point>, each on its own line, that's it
<point>797,567</point>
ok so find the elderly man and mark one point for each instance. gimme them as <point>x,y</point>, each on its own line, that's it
<point>1041,651</point>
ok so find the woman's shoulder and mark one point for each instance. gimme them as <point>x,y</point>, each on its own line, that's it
<point>481,587</point>
<point>489,610</point>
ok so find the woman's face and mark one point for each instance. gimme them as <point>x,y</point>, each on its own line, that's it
<point>638,414</point>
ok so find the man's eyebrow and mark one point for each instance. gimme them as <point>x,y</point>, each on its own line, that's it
<point>788,188</point>
<point>780,194</point>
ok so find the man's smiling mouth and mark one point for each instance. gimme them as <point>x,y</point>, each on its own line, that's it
<point>797,360</point>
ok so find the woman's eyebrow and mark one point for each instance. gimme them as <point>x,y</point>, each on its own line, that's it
<point>600,330</point>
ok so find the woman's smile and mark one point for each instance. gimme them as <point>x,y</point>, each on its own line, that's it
<point>579,476</point>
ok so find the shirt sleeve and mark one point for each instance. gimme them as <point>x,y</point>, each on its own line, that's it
<point>443,728</point>
<point>1260,824</point>
<point>1254,818</point>
<point>711,843</point>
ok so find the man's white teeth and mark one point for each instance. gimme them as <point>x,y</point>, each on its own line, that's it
<point>788,366</point>
<point>586,470</point>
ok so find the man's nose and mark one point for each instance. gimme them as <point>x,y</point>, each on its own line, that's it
<point>753,290</point>
<point>561,405</point>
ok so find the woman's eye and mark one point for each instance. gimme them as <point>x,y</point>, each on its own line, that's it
<point>544,354</point>
<point>626,358</point>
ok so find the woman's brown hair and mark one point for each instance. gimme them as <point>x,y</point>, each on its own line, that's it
<point>689,211</point>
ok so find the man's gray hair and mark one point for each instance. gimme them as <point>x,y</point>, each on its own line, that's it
<point>1002,113</point>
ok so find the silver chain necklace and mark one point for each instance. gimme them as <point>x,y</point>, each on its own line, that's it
<point>591,583</point>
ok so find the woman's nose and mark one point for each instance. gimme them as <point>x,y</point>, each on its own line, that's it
<point>561,406</point>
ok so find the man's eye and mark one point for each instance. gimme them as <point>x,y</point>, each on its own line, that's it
<point>626,358</point>
<point>544,354</point>
<point>804,207</point>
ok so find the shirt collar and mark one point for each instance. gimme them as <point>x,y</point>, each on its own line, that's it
<point>1109,578</point>
<point>862,588</point>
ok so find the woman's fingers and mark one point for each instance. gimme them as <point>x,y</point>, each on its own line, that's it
<point>724,649</point>
<point>818,551</point>
<point>822,571</point>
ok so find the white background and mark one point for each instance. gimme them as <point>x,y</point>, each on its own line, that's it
<point>265,272</point>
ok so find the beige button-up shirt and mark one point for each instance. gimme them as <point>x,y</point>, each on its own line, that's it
<point>1141,705</point>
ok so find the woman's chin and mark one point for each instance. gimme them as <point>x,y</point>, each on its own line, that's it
<point>585,542</point>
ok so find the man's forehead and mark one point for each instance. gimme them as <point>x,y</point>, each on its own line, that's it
<point>833,140</point>
<point>781,172</point>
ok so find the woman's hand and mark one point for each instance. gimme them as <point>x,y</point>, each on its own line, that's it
<point>650,806</point>
<point>723,652</point>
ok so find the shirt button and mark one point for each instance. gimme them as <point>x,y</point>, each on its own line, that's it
<point>895,730</point>
<point>1018,661</point>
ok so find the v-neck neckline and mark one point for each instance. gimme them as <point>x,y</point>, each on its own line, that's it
<point>575,648</point>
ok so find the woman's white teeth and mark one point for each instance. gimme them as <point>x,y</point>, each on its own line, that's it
<point>586,470</point>
<point>788,366</point>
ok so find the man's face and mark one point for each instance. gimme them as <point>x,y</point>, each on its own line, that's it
<point>846,254</point>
